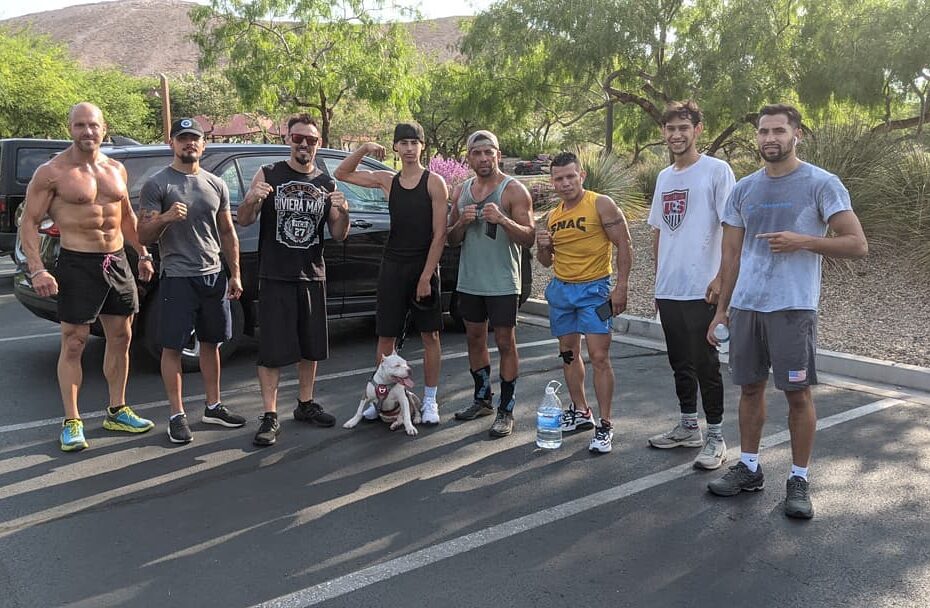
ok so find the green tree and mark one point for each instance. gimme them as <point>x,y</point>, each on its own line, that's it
<point>123,100</point>
<point>208,94</point>
<point>297,54</point>
<point>731,55</point>
<point>37,86</point>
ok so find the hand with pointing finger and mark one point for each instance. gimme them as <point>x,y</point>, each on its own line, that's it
<point>784,242</point>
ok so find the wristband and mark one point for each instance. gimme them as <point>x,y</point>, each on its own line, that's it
<point>146,258</point>
<point>32,275</point>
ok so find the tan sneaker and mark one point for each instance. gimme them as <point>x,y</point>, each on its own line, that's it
<point>503,424</point>
<point>678,437</point>
<point>713,455</point>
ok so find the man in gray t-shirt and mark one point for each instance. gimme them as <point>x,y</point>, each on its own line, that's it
<point>774,235</point>
<point>185,209</point>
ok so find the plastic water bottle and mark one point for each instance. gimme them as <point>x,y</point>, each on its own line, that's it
<point>722,333</point>
<point>549,418</point>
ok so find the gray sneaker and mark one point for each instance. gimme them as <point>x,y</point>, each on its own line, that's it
<point>678,437</point>
<point>503,424</point>
<point>798,498</point>
<point>738,479</point>
<point>713,455</point>
<point>479,408</point>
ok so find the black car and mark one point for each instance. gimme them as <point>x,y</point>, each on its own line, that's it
<point>351,265</point>
<point>19,158</point>
<point>536,166</point>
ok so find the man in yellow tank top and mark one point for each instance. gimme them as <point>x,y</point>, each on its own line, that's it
<point>577,240</point>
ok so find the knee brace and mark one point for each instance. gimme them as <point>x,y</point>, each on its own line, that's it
<point>567,356</point>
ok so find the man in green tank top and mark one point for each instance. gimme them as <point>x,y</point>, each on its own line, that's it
<point>492,218</point>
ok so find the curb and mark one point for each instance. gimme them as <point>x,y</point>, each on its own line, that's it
<point>828,361</point>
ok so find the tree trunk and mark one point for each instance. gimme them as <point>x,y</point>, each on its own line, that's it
<point>609,128</point>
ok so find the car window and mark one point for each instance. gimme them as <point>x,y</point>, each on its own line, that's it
<point>230,175</point>
<point>249,166</point>
<point>369,200</point>
<point>141,168</point>
<point>29,159</point>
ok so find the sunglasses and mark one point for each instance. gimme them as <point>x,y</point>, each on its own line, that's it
<point>298,139</point>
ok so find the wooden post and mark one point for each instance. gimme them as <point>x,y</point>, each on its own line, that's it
<point>165,107</point>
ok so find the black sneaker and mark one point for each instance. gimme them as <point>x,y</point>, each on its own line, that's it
<point>310,411</point>
<point>179,431</point>
<point>798,498</point>
<point>503,424</point>
<point>738,479</point>
<point>222,416</point>
<point>479,408</point>
<point>268,429</point>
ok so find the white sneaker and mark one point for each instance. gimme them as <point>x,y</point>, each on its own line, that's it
<point>713,455</point>
<point>603,440</point>
<point>370,413</point>
<point>430,413</point>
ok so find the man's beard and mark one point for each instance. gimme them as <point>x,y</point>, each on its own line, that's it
<point>187,157</point>
<point>302,158</point>
<point>771,156</point>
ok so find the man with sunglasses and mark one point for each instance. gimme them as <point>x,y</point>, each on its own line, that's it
<point>293,200</point>
<point>408,281</point>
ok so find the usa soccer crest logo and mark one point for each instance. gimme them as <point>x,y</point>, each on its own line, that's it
<point>674,207</point>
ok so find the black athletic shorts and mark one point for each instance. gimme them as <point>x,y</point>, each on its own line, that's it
<point>193,304</point>
<point>94,284</point>
<point>397,291</point>
<point>291,322</point>
<point>500,311</point>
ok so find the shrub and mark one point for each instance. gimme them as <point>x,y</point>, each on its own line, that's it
<point>453,171</point>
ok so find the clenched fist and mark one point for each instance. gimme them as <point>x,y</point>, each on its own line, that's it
<point>258,192</point>
<point>375,151</point>
<point>176,213</point>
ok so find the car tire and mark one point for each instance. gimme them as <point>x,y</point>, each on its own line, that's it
<point>190,358</point>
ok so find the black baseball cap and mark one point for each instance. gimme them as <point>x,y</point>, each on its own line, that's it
<point>186,125</point>
<point>409,130</point>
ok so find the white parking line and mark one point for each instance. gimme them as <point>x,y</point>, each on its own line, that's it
<point>31,337</point>
<point>248,388</point>
<point>377,573</point>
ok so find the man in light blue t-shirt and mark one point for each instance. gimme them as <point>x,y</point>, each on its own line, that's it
<point>774,235</point>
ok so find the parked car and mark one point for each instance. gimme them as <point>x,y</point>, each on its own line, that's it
<point>536,166</point>
<point>351,265</point>
<point>19,158</point>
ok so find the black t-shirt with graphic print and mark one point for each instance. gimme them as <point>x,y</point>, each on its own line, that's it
<point>290,241</point>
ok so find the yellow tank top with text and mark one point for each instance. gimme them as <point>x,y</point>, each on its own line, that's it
<point>582,249</point>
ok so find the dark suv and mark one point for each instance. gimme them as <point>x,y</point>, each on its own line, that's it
<point>19,158</point>
<point>351,265</point>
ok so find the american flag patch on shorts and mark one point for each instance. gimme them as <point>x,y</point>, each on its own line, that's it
<point>795,376</point>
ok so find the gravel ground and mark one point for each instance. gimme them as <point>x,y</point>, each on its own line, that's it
<point>876,308</point>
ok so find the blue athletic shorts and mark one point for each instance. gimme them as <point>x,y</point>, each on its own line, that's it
<point>572,307</point>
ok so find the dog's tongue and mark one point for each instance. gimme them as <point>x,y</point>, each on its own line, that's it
<point>407,382</point>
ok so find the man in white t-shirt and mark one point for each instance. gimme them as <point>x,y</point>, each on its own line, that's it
<point>687,206</point>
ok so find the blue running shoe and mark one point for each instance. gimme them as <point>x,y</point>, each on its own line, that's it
<point>72,435</point>
<point>127,421</point>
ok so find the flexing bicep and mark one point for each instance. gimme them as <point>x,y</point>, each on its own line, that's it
<point>370,179</point>
<point>521,204</point>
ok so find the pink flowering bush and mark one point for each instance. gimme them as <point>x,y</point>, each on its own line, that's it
<point>451,170</point>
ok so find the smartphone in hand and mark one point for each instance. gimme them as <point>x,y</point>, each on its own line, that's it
<point>605,310</point>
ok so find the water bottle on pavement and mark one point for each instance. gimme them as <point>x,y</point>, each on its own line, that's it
<point>549,418</point>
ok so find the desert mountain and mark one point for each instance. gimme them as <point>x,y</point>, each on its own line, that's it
<point>144,37</point>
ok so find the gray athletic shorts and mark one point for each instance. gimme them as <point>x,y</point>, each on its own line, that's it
<point>784,340</point>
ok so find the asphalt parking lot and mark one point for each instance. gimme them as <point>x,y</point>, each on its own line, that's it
<point>367,517</point>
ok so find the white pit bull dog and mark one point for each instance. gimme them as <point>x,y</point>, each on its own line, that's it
<point>389,390</point>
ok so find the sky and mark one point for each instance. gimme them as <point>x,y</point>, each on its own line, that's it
<point>430,9</point>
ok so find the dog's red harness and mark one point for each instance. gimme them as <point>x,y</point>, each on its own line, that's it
<point>381,393</point>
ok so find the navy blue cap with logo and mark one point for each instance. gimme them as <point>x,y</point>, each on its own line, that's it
<point>186,125</point>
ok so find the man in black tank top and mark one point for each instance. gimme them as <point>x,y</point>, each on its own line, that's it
<point>293,200</point>
<point>408,281</point>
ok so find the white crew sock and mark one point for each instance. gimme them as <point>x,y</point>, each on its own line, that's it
<point>750,460</point>
<point>689,421</point>
<point>797,471</point>
<point>429,394</point>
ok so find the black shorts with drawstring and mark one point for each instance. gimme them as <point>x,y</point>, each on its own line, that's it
<point>94,284</point>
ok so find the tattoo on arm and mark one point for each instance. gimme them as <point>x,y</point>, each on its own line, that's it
<point>614,222</point>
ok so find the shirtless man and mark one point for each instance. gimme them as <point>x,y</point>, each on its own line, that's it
<point>85,193</point>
